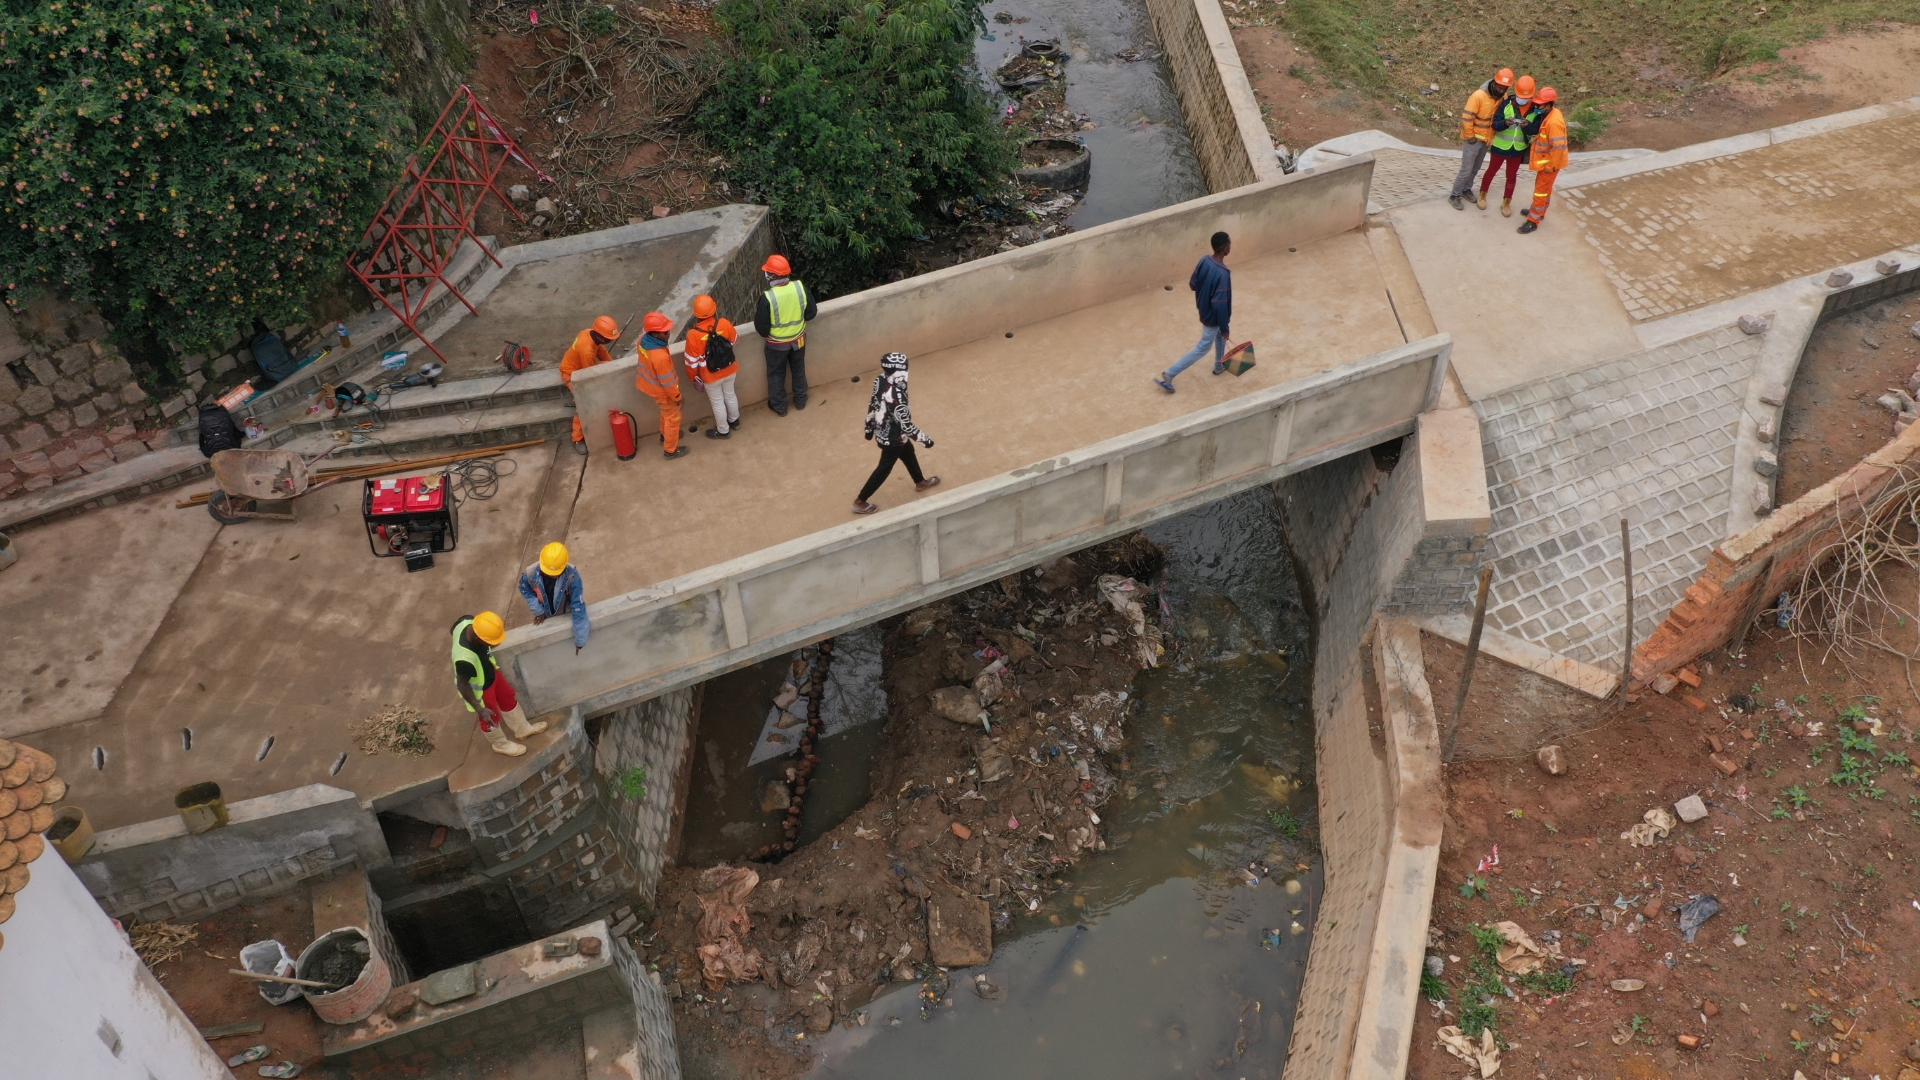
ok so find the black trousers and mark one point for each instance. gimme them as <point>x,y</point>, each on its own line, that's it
<point>889,455</point>
<point>779,362</point>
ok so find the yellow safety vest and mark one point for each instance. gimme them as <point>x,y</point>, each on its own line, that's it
<point>461,652</point>
<point>786,312</point>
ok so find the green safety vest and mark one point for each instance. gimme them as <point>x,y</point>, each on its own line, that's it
<point>1510,139</point>
<point>786,307</point>
<point>473,659</point>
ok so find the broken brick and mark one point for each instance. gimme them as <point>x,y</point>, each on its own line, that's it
<point>1714,743</point>
<point>1689,676</point>
<point>962,831</point>
<point>1691,1042</point>
<point>1723,764</point>
<point>1695,702</point>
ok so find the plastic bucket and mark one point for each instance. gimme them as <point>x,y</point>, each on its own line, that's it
<point>357,1000</point>
<point>201,807</point>
<point>74,842</point>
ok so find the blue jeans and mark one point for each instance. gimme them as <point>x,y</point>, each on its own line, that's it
<point>1210,337</point>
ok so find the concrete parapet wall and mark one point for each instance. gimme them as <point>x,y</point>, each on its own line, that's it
<point>1019,287</point>
<point>693,627</point>
<point>1223,117</point>
<point>157,870</point>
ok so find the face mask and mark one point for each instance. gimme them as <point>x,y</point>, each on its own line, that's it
<point>1523,101</point>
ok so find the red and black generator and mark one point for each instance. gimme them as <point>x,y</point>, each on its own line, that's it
<point>411,517</point>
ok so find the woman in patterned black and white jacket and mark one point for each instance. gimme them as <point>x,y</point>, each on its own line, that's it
<point>890,425</point>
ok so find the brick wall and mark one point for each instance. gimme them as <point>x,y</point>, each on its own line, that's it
<point>1352,528</point>
<point>1441,575</point>
<point>659,1048</point>
<point>163,898</point>
<point>583,877</point>
<point>1769,558</point>
<point>656,736</point>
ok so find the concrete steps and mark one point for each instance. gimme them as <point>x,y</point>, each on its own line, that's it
<point>144,475</point>
<point>542,419</point>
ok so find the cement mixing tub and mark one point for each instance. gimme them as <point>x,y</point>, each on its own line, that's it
<point>323,961</point>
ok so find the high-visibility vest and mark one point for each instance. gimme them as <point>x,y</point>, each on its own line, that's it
<point>1550,145</point>
<point>786,312</point>
<point>1510,139</point>
<point>461,652</point>
<point>656,371</point>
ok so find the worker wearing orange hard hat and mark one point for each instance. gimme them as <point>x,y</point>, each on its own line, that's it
<point>589,348</point>
<point>1514,125</point>
<point>781,319</point>
<point>712,365</point>
<point>1476,131</point>
<point>484,687</point>
<point>1548,156</point>
<point>658,380</point>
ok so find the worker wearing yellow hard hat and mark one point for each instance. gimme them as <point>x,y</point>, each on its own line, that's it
<point>551,586</point>
<point>484,687</point>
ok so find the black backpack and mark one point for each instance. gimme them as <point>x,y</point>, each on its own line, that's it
<point>217,429</point>
<point>719,353</point>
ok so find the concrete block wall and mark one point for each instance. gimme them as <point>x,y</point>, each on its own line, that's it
<point>156,870</point>
<point>585,876</point>
<point>659,1048</point>
<point>1442,575</point>
<point>1223,117</point>
<point>654,735</point>
<point>534,800</point>
<point>1750,569</point>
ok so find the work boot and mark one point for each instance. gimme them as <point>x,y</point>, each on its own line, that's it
<point>716,433</point>
<point>1506,207</point>
<point>580,447</point>
<point>1481,202</point>
<point>497,738</point>
<point>931,481</point>
<point>1528,227</point>
<point>682,452</point>
<point>1454,201</point>
<point>516,719</point>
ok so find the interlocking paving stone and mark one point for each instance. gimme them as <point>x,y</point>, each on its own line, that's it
<point>1401,177</point>
<point>1687,235</point>
<point>1649,437</point>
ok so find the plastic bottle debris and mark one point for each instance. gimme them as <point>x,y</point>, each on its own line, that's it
<point>1783,611</point>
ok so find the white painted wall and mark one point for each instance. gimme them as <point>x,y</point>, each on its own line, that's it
<point>76,1002</point>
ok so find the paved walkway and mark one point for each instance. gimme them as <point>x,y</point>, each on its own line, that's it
<point>1679,237</point>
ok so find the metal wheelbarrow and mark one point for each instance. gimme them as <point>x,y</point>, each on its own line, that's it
<point>261,484</point>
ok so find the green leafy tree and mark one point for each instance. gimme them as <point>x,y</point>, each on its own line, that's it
<point>189,165</point>
<point>852,119</point>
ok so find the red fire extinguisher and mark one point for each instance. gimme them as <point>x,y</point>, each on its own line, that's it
<point>624,443</point>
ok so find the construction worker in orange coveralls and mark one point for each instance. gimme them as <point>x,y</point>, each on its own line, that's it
<point>1548,158</point>
<point>589,348</point>
<point>659,381</point>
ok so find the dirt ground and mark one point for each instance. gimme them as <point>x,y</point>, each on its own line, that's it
<point>962,830</point>
<point>1808,848</point>
<point>1831,419</point>
<point>618,144</point>
<point>1668,107</point>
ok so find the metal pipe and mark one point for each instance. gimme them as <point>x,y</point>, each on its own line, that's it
<point>1626,561</point>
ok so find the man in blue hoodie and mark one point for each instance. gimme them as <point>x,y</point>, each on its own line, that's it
<point>1212,285</point>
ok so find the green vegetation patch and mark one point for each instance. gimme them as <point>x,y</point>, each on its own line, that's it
<point>189,165</point>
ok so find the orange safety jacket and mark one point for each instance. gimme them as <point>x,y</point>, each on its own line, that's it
<point>583,353</point>
<point>696,354</point>
<point>1476,120</point>
<point>1550,145</point>
<point>657,378</point>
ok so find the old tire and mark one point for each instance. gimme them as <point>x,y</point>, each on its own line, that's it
<point>1061,176</point>
<point>220,508</point>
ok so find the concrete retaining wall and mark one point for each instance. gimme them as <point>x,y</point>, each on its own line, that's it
<point>156,870</point>
<point>1368,542</point>
<point>655,736</point>
<point>1223,117</point>
<point>1019,287</point>
<point>693,627</point>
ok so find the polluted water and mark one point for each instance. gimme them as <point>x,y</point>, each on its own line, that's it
<point>1116,77</point>
<point>1180,950</point>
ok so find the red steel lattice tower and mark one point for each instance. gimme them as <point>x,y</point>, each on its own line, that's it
<point>411,242</point>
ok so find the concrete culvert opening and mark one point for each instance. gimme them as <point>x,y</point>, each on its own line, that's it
<point>441,908</point>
